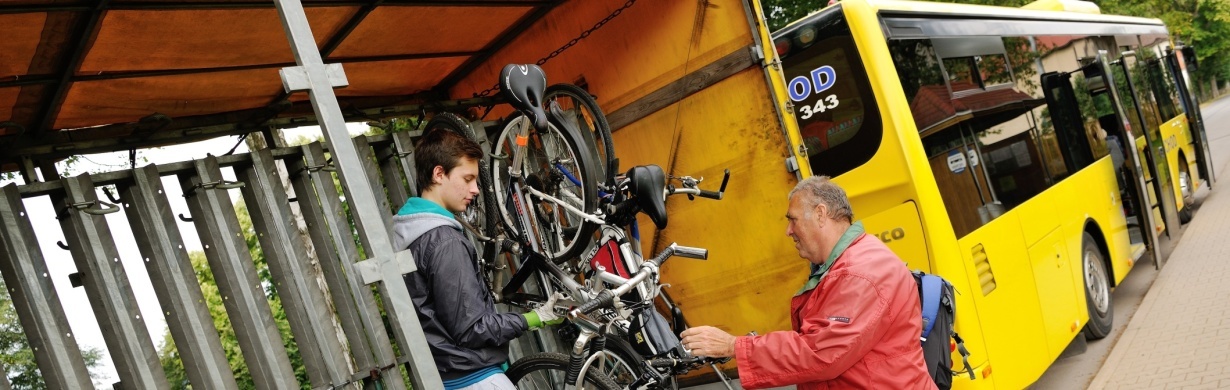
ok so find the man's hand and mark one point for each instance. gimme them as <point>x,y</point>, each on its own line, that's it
<point>709,341</point>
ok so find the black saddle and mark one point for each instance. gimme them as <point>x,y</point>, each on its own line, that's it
<point>523,86</point>
<point>648,183</point>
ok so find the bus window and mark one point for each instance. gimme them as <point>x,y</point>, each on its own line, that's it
<point>979,72</point>
<point>1067,120</point>
<point>920,73</point>
<point>983,130</point>
<point>1148,108</point>
<point>1163,89</point>
<point>833,103</point>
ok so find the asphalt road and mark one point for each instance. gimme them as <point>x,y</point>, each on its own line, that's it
<point>1076,370</point>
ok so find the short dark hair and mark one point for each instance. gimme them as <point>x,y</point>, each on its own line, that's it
<point>441,148</point>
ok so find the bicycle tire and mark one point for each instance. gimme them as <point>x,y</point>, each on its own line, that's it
<point>569,234</point>
<point>479,213</point>
<point>579,102</point>
<point>537,366</point>
<point>632,362</point>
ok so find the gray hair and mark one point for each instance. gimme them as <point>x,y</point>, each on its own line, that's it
<point>819,189</point>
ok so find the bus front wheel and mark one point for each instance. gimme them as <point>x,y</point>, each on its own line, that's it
<point>1097,291</point>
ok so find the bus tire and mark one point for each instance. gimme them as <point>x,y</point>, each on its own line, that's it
<point>1097,290</point>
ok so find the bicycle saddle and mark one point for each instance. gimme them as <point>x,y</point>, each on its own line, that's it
<point>647,184</point>
<point>522,86</point>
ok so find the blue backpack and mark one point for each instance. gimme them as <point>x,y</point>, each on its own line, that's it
<point>939,311</point>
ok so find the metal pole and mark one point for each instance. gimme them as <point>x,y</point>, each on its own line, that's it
<point>384,265</point>
<point>106,284</point>
<point>175,283</point>
<point>310,319</point>
<point>235,273</point>
<point>35,299</point>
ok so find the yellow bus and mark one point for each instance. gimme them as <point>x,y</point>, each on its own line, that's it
<point>990,145</point>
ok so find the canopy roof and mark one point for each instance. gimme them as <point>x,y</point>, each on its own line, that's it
<point>80,76</point>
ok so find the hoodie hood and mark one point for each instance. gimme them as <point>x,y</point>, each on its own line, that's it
<point>419,216</point>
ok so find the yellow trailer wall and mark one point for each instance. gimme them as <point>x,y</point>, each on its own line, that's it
<point>753,269</point>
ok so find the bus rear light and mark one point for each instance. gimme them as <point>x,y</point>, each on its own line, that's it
<point>782,45</point>
<point>806,36</point>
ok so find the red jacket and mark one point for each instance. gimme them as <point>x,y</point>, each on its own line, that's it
<point>858,329</point>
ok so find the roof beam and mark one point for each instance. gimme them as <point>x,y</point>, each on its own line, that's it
<point>188,129</point>
<point>86,33</point>
<point>37,80</point>
<point>494,46</point>
<point>345,31</point>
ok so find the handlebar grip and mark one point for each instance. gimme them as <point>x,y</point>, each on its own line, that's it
<point>711,194</point>
<point>690,252</point>
<point>605,298</point>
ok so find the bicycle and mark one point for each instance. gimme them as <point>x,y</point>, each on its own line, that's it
<point>542,167</point>
<point>641,333</point>
<point>596,326</point>
<point>545,187</point>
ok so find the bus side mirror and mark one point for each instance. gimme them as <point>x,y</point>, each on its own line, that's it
<point>1189,56</point>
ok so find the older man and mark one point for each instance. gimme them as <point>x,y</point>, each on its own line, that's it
<point>855,322</point>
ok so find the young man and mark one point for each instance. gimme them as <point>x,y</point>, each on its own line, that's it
<point>855,322</point>
<point>468,338</point>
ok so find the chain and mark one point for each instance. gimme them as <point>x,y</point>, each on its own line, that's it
<point>571,43</point>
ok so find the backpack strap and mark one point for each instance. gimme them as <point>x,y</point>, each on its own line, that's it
<point>964,354</point>
<point>932,287</point>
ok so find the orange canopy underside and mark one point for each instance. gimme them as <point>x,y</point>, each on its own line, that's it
<point>68,65</point>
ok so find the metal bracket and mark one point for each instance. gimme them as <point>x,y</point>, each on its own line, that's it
<point>88,207</point>
<point>297,78</point>
<point>369,270</point>
<point>220,184</point>
<point>792,164</point>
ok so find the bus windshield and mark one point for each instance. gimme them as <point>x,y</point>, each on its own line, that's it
<point>827,83</point>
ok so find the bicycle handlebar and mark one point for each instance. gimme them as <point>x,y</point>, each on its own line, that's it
<point>606,298</point>
<point>690,188</point>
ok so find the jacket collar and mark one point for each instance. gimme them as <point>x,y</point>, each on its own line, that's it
<point>818,271</point>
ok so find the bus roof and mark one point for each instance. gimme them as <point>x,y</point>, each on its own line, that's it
<point>933,8</point>
<point>995,12</point>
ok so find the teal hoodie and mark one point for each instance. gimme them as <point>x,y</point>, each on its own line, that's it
<point>419,216</point>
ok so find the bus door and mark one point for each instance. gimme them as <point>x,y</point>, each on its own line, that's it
<point>1137,172</point>
<point>1181,63</point>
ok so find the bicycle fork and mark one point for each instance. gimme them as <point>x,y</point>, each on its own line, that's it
<point>579,361</point>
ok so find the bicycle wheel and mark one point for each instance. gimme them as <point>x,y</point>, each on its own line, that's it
<point>622,363</point>
<point>582,110</point>
<point>479,213</point>
<point>547,370</point>
<point>556,164</point>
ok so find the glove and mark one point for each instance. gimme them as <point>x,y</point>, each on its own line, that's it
<point>545,314</point>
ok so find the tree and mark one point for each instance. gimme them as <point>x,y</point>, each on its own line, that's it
<point>169,354</point>
<point>779,13</point>
<point>15,351</point>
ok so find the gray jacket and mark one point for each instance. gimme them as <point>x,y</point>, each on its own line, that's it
<point>455,308</point>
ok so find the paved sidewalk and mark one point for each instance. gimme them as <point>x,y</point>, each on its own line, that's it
<point>1180,336</point>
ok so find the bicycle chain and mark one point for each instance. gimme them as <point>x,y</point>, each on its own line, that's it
<point>571,43</point>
